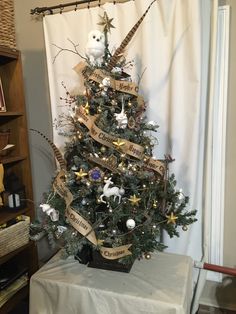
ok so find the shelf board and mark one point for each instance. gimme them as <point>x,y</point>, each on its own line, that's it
<point>8,54</point>
<point>9,160</point>
<point>7,257</point>
<point>11,114</point>
<point>8,214</point>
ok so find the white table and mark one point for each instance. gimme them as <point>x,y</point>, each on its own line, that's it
<point>160,285</point>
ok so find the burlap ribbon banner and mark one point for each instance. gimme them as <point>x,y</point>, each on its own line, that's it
<point>76,220</point>
<point>103,163</point>
<point>116,252</point>
<point>98,75</point>
<point>81,225</point>
<point>121,86</point>
<point>108,140</point>
<point>60,188</point>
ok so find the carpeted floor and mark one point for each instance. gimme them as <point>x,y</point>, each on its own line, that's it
<point>23,308</point>
<point>203,309</point>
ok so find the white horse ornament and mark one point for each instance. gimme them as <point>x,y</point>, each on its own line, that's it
<point>121,118</point>
<point>114,191</point>
<point>54,214</point>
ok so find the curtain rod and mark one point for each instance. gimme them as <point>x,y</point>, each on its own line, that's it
<point>62,6</point>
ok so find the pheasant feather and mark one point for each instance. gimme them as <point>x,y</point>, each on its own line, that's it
<point>56,151</point>
<point>118,53</point>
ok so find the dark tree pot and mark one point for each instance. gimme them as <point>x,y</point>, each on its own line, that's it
<point>98,261</point>
<point>84,255</point>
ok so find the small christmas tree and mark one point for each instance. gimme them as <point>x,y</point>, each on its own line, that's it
<point>110,195</point>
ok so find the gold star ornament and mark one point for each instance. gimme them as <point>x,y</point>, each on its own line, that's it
<point>106,23</point>
<point>118,143</point>
<point>171,219</point>
<point>134,200</point>
<point>100,242</point>
<point>80,174</point>
<point>86,108</point>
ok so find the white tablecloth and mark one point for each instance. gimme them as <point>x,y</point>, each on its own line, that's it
<point>160,285</point>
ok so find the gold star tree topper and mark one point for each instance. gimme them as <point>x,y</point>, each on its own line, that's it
<point>106,23</point>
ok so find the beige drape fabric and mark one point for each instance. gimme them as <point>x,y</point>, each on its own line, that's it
<point>162,285</point>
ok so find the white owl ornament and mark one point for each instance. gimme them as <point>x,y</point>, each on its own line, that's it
<point>95,47</point>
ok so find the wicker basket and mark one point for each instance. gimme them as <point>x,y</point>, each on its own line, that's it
<point>7,24</point>
<point>15,236</point>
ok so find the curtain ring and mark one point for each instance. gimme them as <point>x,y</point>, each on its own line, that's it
<point>88,4</point>
<point>114,2</point>
<point>99,3</point>
<point>76,6</point>
<point>61,9</point>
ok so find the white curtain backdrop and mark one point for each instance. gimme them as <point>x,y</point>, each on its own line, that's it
<point>168,48</point>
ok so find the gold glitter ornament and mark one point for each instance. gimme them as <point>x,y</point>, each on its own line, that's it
<point>79,135</point>
<point>131,122</point>
<point>121,164</point>
<point>58,235</point>
<point>112,160</point>
<point>103,149</point>
<point>154,204</point>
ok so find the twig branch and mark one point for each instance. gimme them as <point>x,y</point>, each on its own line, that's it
<point>141,76</point>
<point>75,51</point>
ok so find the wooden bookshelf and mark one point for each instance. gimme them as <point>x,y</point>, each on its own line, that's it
<point>17,161</point>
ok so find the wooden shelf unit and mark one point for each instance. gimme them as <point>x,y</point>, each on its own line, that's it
<point>17,161</point>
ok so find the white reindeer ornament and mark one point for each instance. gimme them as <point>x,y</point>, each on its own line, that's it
<point>114,191</point>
